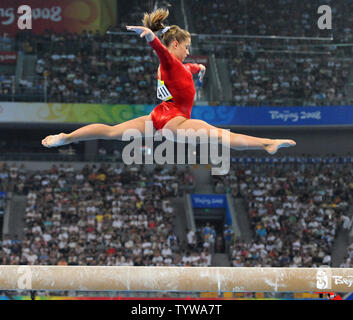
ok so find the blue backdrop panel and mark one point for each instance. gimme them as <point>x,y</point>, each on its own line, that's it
<point>211,201</point>
<point>274,116</point>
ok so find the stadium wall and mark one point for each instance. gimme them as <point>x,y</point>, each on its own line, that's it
<point>310,140</point>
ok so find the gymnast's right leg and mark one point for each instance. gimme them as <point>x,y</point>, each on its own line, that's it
<point>96,131</point>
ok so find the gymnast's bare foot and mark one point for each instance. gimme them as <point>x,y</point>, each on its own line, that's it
<point>277,144</point>
<point>56,140</point>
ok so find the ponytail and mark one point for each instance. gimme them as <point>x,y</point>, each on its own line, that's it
<point>154,21</point>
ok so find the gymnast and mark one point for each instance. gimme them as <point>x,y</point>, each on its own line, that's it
<point>176,90</point>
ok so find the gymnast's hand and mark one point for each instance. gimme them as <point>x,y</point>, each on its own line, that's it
<point>202,68</point>
<point>201,75</point>
<point>143,32</point>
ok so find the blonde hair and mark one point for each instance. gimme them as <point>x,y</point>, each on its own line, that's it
<point>154,21</point>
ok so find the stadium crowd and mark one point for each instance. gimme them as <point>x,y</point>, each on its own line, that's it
<point>294,210</point>
<point>346,224</point>
<point>280,17</point>
<point>275,72</point>
<point>94,68</point>
<point>115,215</point>
<point>6,81</point>
<point>100,215</point>
<point>275,80</point>
<point>348,259</point>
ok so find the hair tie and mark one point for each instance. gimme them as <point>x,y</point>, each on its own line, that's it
<point>165,29</point>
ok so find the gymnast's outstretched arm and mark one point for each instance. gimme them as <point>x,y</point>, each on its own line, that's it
<point>165,57</point>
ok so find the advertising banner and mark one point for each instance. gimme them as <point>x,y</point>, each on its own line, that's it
<point>211,201</point>
<point>60,15</point>
<point>70,113</point>
<point>275,116</point>
<point>215,115</point>
<point>8,57</point>
<point>208,200</point>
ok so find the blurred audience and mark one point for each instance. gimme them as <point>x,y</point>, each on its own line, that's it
<point>100,215</point>
<point>294,207</point>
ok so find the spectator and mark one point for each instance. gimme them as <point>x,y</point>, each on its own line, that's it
<point>228,236</point>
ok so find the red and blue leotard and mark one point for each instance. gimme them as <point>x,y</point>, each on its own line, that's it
<point>178,79</point>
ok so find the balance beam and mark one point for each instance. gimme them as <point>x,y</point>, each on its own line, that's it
<point>200,279</point>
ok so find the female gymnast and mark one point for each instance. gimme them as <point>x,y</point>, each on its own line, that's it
<point>175,88</point>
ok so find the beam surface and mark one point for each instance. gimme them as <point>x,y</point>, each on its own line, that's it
<point>210,279</point>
